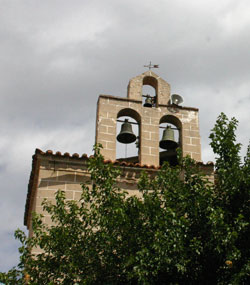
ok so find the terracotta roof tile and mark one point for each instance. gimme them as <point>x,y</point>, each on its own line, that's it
<point>106,161</point>
<point>115,162</point>
<point>84,157</point>
<point>75,155</point>
<point>38,151</point>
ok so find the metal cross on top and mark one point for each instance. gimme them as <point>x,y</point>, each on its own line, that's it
<point>149,66</point>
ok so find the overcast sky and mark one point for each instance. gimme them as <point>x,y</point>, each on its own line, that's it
<point>57,56</point>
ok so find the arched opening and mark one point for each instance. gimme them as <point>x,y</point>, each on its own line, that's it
<point>127,134</point>
<point>149,92</point>
<point>170,139</point>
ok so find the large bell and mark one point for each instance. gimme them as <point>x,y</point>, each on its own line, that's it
<point>148,102</point>
<point>126,134</point>
<point>168,141</point>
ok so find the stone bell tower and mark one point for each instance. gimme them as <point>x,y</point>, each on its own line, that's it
<point>52,171</point>
<point>149,119</point>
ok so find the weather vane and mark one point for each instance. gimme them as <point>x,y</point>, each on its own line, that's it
<point>149,66</point>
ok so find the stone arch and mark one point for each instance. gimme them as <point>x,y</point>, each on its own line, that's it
<point>175,121</point>
<point>150,80</point>
<point>170,155</point>
<point>172,120</point>
<point>153,82</point>
<point>130,113</point>
<point>161,87</point>
<point>133,152</point>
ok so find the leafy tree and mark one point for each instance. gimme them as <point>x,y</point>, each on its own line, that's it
<point>182,230</point>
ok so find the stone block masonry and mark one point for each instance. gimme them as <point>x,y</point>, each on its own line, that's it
<point>51,173</point>
<point>110,108</point>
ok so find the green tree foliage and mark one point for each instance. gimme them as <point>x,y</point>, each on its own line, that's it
<point>183,229</point>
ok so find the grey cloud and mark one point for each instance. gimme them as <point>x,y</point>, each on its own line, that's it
<point>58,56</point>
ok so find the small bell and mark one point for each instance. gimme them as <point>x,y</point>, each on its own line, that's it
<point>168,141</point>
<point>126,134</point>
<point>148,102</point>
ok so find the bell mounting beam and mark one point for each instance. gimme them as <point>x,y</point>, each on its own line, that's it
<point>133,123</point>
<point>146,96</point>
<point>121,121</point>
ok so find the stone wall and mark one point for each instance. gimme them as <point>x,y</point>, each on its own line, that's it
<point>162,88</point>
<point>55,172</point>
<point>51,172</point>
<point>67,173</point>
<point>110,108</point>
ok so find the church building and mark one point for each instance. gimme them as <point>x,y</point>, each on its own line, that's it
<point>162,125</point>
